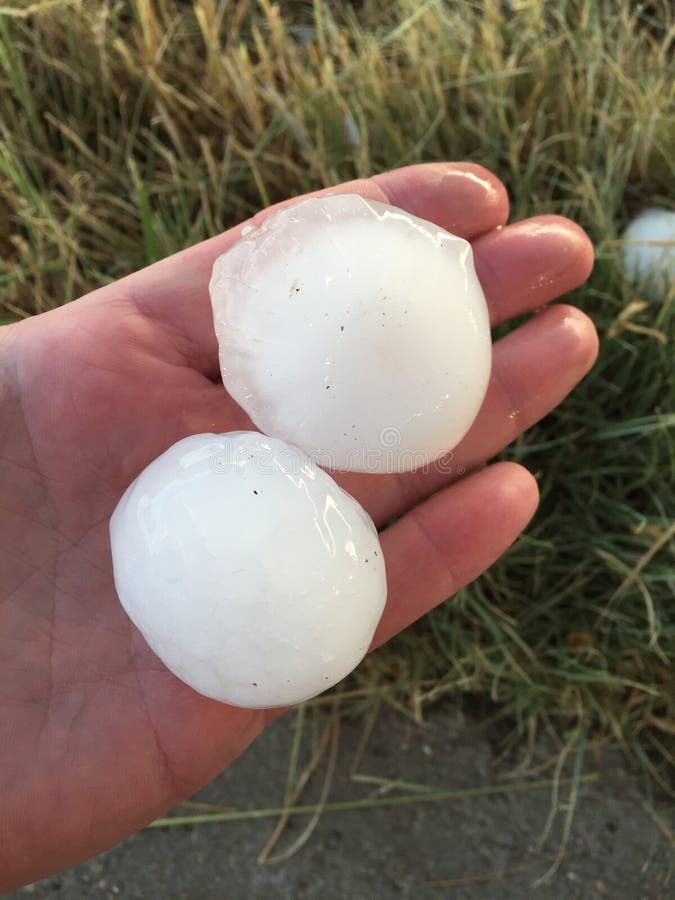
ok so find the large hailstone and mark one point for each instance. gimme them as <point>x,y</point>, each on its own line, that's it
<point>649,251</point>
<point>250,573</point>
<point>355,330</point>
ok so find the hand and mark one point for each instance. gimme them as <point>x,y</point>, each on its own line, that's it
<point>96,736</point>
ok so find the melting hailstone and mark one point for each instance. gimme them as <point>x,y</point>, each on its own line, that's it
<point>250,573</point>
<point>355,330</point>
<point>649,252</point>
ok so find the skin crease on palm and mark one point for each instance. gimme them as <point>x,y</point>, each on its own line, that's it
<point>96,737</point>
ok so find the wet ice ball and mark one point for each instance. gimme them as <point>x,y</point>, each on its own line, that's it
<point>250,573</point>
<point>355,330</point>
<point>649,251</point>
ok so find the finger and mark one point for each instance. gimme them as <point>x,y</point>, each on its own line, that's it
<point>533,369</point>
<point>462,197</point>
<point>530,263</point>
<point>450,539</point>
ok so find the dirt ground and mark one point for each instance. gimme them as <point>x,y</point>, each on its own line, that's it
<point>467,848</point>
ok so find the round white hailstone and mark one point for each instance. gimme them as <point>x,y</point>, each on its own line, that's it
<point>649,251</point>
<point>355,330</point>
<point>250,573</point>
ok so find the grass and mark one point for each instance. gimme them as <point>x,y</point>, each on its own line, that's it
<point>130,130</point>
<point>405,800</point>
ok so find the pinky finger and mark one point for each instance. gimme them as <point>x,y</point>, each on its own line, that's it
<point>450,539</point>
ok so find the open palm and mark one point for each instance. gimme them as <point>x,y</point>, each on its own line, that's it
<point>96,736</point>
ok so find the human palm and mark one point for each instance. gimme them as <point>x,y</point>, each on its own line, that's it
<point>97,737</point>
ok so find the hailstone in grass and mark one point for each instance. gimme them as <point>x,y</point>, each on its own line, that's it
<point>250,573</point>
<point>355,330</point>
<point>649,251</point>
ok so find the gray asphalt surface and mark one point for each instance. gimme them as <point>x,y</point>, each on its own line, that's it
<point>467,848</point>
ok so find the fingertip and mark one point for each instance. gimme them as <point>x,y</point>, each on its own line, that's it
<point>492,187</point>
<point>576,336</point>
<point>573,244</point>
<point>516,492</point>
<point>587,336</point>
<point>462,197</point>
